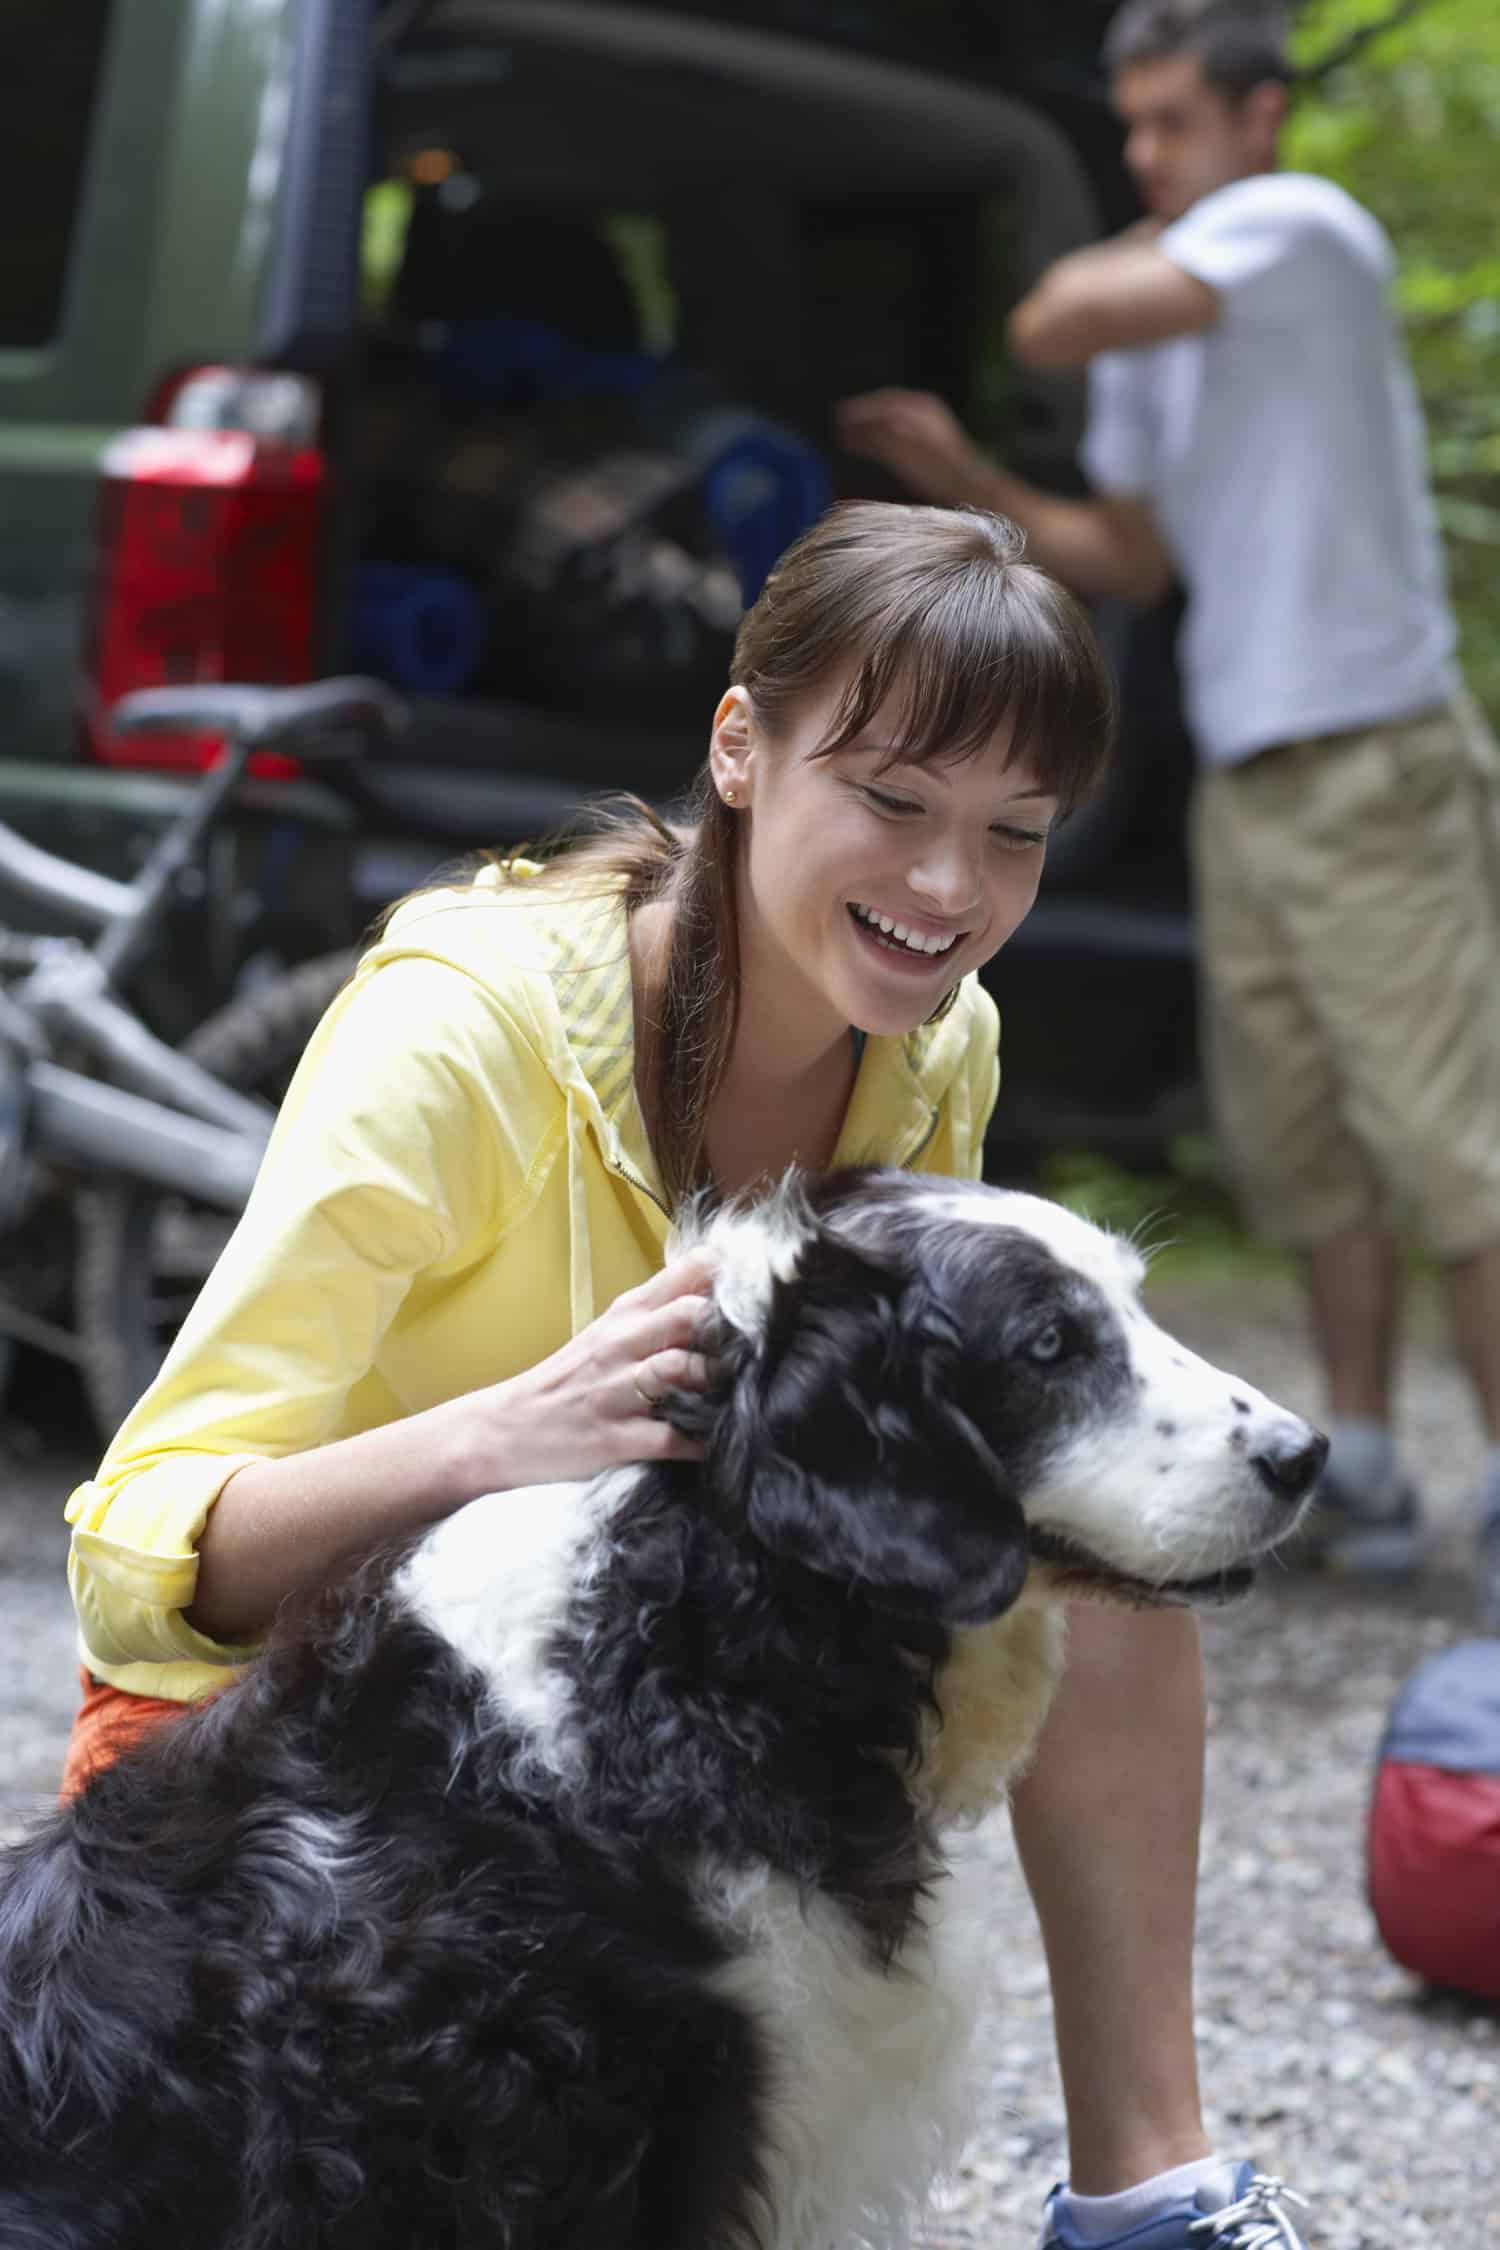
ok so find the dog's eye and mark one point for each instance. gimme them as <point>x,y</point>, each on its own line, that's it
<point>1047,1343</point>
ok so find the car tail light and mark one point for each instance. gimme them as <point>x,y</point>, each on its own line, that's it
<point>209,540</point>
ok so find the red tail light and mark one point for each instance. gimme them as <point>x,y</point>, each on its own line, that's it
<point>210,531</point>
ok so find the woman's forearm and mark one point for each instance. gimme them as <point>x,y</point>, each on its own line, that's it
<point>282,1527</point>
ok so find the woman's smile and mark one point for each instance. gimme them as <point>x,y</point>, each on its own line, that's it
<point>873,885</point>
<point>910,944</point>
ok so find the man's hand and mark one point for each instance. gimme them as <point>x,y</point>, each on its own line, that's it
<point>1097,546</point>
<point>919,439</point>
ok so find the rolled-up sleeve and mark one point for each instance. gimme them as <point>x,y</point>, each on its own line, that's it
<point>410,1137</point>
<point>1255,243</point>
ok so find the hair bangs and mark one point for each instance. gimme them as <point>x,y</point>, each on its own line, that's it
<point>975,667</point>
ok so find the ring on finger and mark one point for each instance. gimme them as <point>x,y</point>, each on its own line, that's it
<point>649,1399</point>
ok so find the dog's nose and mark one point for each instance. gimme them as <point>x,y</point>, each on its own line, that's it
<point>1290,1460</point>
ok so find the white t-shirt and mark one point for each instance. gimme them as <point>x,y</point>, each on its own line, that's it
<point>1283,454</point>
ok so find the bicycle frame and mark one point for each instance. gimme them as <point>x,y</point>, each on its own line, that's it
<point>166,1122</point>
<point>77,1121</point>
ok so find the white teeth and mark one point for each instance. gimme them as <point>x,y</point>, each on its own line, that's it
<point>900,934</point>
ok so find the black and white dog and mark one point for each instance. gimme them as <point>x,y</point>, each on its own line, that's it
<point>570,1879</point>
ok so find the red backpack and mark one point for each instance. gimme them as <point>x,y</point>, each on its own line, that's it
<point>1434,1834</point>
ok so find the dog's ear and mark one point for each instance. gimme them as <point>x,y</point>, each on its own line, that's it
<point>849,1449</point>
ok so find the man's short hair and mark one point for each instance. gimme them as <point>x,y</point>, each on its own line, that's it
<point>1239,43</point>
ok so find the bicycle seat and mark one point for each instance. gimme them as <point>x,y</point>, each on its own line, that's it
<point>259,717</point>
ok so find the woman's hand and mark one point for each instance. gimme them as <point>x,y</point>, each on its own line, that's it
<point>593,1404</point>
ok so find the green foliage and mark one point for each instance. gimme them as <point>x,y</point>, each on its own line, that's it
<point>1182,1216</point>
<point>1410,124</point>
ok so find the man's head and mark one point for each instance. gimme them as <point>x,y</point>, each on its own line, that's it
<point>1201,87</point>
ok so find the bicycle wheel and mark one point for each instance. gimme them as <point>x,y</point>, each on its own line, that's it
<point>144,1252</point>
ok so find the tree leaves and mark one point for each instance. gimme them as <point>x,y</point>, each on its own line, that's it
<point>1401,105</point>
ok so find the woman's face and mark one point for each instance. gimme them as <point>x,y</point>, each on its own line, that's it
<point>867,889</point>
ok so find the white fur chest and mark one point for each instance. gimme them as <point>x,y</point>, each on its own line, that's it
<point>869,2102</point>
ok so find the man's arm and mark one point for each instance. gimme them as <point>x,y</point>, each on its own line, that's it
<point>1097,546</point>
<point>1111,296</point>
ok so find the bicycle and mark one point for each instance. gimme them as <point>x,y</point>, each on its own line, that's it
<point>150,1149</point>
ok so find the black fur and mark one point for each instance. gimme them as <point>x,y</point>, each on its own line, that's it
<point>482,2028</point>
<point>327,1964</point>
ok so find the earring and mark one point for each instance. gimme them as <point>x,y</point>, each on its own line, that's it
<point>730,797</point>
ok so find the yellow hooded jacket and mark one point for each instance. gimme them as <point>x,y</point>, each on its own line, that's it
<point>459,1181</point>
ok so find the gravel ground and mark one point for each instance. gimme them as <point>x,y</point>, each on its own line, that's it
<point>1320,2058</point>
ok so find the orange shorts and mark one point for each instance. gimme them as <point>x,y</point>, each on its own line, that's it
<point>108,1721</point>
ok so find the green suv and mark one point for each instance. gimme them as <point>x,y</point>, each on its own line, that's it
<point>491,346</point>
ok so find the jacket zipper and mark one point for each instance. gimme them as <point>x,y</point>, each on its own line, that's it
<point>932,1125</point>
<point>618,1164</point>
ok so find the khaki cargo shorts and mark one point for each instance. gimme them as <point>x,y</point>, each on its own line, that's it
<point>1349,909</point>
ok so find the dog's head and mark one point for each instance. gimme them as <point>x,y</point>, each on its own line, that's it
<point>927,1388</point>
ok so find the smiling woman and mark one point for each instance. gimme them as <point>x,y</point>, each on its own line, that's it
<point>912,705</point>
<point>870,880</point>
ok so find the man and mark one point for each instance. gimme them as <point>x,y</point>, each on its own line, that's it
<point>1254,431</point>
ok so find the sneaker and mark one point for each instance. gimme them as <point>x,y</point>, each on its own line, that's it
<point>1345,1534</point>
<point>1256,2216</point>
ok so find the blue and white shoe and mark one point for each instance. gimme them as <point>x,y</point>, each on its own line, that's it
<point>1253,2213</point>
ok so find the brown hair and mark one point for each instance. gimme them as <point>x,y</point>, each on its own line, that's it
<point>1240,44</point>
<point>937,620</point>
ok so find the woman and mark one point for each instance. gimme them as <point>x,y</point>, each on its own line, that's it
<point>450,1279</point>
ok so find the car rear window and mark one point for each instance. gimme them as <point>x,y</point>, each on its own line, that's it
<point>50,59</point>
